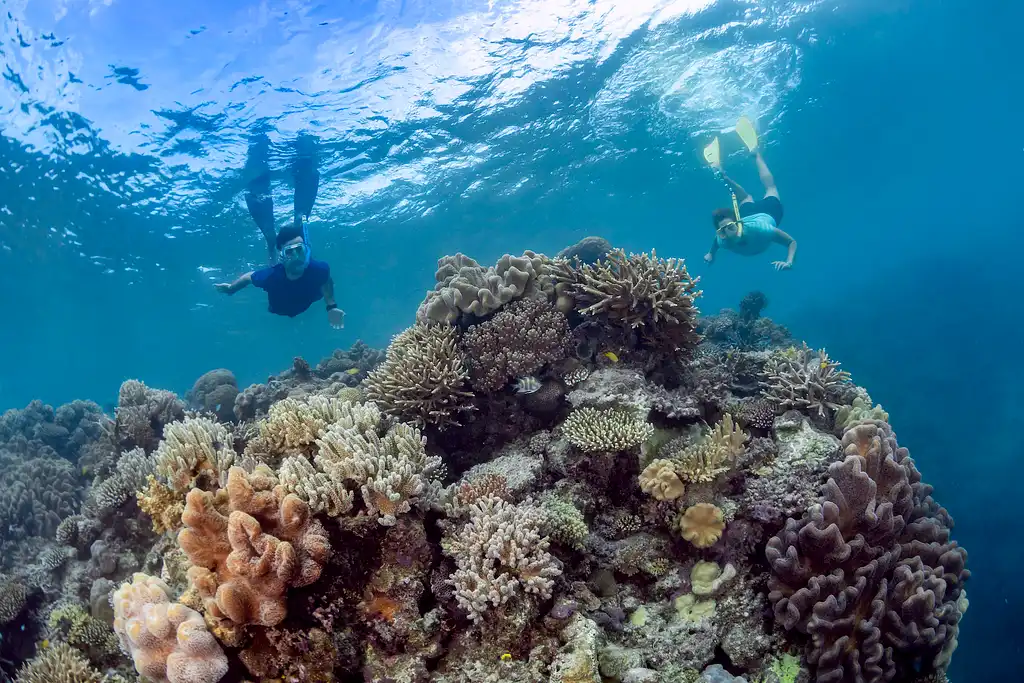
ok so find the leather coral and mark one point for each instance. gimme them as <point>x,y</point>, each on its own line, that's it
<point>870,574</point>
<point>248,543</point>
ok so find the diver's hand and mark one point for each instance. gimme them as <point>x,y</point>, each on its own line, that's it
<point>709,259</point>
<point>782,265</point>
<point>224,288</point>
<point>336,317</point>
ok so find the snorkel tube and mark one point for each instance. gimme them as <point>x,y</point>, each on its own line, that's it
<point>735,210</point>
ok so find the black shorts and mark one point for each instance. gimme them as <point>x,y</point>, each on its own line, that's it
<point>769,205</point>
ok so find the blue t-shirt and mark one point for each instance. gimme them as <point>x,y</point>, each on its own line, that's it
<point>758,235</point>
<point>291,297</point>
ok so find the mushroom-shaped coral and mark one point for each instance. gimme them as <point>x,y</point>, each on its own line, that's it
<point>423,378</point>
<point>610,429</point>
<point>245,561</point>
<point>659,479</point>
<point>168,641</point>
<point>702,524</point>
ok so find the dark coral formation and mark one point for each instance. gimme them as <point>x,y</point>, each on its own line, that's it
<point>518,341</point>
<point>745,329</point>
<point>65,430</point>
<point>870,574</point>
<point>214,392</point>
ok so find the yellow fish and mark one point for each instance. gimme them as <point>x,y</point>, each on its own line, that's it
<point>45,644</point>
<point>353,371</point>
<point>611,356</point>
<point>506,657</point>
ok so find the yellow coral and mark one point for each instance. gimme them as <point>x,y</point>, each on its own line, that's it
<point>163,505</point>
<point>702,524</point>
<point>660,480</point>
<point>714,455</point>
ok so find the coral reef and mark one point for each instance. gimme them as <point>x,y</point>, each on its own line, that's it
<point>423,378</point>
<point>547,478</point>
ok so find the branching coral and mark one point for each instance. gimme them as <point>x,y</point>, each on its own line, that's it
<point>643,292</point>
<point>423,378</point>
<point>168,641</point>
<point>713,455</point>
<point>58,663</point>
<point>870,573</point>
<point>702,524</point>
<point>500,552</point>
<point>293,426</point>
<point>564,522</point>
<point>130,474</point>
<point>804,379</point>
<point>611,429</point>
<point>519,340</point>
<point>244,561</point>
<point>77,628</point>
<point>465,287</point>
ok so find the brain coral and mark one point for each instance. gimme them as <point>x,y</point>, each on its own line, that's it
<point>870,573</point>
<point>168,641</point>
<point>245,561</point>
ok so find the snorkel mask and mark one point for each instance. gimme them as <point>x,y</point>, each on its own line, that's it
<point>294,254</point>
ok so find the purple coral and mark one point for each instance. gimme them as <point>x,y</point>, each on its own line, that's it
<point>519,340</point>
<point>870,573</point>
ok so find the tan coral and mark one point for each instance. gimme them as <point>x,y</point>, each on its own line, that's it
<point>163,505</point>
<point>659,480</point>
<point>714,455</point>
<point>192,451</point>
<point>248,544</point>
<point>702,524</point>
<point>607,429</point>
<point>292,425</point>
<point>168,642</point>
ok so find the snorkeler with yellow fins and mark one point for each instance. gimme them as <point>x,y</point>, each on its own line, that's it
<point>749,227</point>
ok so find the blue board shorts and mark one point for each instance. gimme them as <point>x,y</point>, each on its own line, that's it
<point>769,205</point>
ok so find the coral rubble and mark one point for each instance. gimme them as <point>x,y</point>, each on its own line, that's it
<point>550,477</point>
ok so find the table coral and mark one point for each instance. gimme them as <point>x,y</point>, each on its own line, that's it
<point>247,556</point>
<point>869,573</point>
<point>168,641</point>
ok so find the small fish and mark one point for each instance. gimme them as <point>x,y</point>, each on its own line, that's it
<point>45,644</point>
<point>353,371</point>
<point>506,657</point>
<point>611,356</point>
<point>824,365</point>
<point>527,385</point>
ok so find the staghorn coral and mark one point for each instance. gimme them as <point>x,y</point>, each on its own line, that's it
<point>423,377</point>
<point>519,340</point>
<point>500,552</point>
<point>660,481</point>
<point>804,379</point>
<point>58,663</point>
<point>464,287</point>
<point>142,413</point>
<point>168,641</point>
<point>870,573</point>
<point>244,561</point>
<point>611,429</point>
<point>702,524</point>
<point>637,292</point>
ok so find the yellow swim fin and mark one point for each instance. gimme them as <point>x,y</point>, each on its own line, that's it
<point>713,153</point>
<point>745,129</point>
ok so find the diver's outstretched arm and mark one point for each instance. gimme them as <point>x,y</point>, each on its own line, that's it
<point>767,179</point>
<point>785,239</point>
<point>709,257</point>
<point>236,286</point>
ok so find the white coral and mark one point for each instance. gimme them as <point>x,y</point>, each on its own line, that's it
<point>191,448</point>
<point>609,429</point>
<point>500,552</point>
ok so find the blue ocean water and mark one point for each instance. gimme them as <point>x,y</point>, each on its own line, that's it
<point>493,127</point>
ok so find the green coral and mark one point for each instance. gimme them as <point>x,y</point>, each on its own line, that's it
<point>69,622</point>
<point>564,523</point>
<point>786,668</point>
<point>860,410</point>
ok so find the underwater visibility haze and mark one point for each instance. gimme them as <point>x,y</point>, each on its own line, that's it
<point>528,454</point>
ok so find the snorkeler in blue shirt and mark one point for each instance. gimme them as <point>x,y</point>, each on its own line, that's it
<point>758,225</point>
<point>295,280</point>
